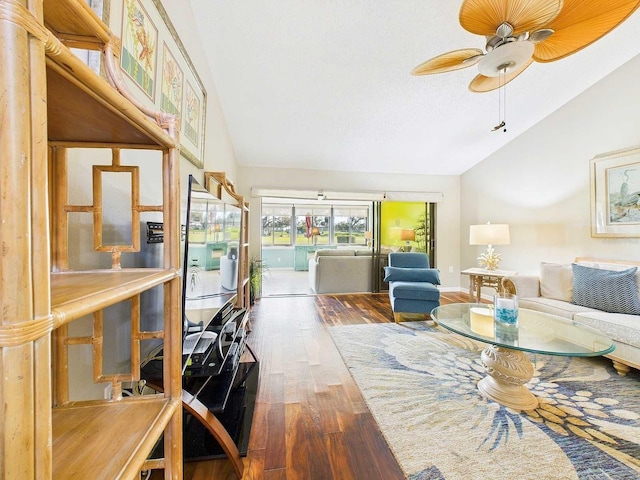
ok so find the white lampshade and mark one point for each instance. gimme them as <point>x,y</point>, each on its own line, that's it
<point>489,234</point>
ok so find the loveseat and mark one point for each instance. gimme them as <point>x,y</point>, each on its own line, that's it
<point>602,294</point>
<point>341,271</point>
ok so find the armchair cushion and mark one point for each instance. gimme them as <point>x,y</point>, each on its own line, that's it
<point>394,274</point>
<point>409,260</point>
<point>414,291</point>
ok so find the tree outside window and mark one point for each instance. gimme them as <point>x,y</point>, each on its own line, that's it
<point>350,225</point>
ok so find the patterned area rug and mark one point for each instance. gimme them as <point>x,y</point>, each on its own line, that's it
<point>420,384</point>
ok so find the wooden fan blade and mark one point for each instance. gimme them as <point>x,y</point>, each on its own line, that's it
<point>448,62</point>
<point>580,24</point>
<point>483,17</point>
<point>482,84</point>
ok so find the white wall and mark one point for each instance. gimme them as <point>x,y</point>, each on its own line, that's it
<point>448,211</point>
<point>539,183</point>
<point>218,151</point>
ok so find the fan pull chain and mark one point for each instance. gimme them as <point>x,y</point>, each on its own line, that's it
<point>502,101</point>
<point>499,100</point>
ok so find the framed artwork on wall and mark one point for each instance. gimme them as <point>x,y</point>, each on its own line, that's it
<point>171,88</point>
<point>615,194</point>
<point>151,43</point>
<point>191,119</point>
<point>192,144</point>
<point>139,42</point>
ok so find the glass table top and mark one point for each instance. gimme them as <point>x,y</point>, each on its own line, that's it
<point>537,332</point>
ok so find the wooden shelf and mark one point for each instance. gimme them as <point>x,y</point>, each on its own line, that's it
<point>74,294</point>
<point>88,110</point>
<point>121,434</point>
<point>75,23</point>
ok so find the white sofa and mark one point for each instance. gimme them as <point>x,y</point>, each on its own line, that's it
<point>552,292</point>
<point>341,271</point>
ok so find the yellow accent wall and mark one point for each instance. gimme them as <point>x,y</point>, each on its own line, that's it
<point>398,216</point>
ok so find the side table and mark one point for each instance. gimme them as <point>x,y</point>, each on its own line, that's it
<point>481,277</point>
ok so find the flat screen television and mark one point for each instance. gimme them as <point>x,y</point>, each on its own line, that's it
<point>211,255</point>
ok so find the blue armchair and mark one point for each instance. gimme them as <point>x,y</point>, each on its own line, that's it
<point>412,284</point>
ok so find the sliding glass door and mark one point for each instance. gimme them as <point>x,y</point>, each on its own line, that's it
<point>402,227</point>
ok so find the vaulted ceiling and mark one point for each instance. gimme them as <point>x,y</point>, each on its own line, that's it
<point>326,84</point>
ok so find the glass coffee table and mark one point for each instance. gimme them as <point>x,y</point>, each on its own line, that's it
<point>508,368</point>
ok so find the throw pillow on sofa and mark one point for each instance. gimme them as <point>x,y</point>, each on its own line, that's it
<point>402,274</point>
<point>606,290</point>
<point>556,281</point>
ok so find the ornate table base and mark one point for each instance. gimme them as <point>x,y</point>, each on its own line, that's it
<point>508,370</point>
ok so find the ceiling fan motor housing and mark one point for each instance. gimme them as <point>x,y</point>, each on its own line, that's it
<point>505,58</point>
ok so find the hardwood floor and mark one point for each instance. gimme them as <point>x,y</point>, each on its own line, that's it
<point>310,420</point>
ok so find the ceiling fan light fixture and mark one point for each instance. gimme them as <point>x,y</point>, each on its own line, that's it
<point>506,58</point>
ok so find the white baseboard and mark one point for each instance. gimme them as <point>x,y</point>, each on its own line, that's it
<point>484,296</point>
<point>453,289</point>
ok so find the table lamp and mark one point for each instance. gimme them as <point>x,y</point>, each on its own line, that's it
<point>408,236</point>
<point>490,235</point>
<point>315,231</point>
<point>368,235</point>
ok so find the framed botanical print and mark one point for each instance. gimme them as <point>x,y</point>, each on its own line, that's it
<point>172,80</point>
<point>139,42</point>
<point>615,194</point>
<point>191,119</point>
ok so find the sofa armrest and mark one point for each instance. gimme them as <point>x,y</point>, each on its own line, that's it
<point>313,275</point>
<point>522,285</point>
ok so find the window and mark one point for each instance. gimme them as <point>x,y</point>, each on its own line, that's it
<point>309,217</point>
<point>276,225</point>
<point>334,224</point>
<point>349,225</point>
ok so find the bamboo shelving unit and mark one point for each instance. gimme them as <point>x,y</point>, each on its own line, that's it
<point>51,102</point>
<point>219,185</point>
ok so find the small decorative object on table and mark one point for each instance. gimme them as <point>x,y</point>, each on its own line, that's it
<point>481,321</point>
<point>506,316</point>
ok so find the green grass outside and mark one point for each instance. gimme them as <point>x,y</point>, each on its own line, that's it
<point>197,236</point>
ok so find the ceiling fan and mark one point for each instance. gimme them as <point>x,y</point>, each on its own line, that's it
<point>519,32</point>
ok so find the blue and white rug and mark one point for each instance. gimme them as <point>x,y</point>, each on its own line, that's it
<point>420,385</point>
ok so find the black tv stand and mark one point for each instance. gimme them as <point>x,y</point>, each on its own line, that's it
<point>218,398</point>
<point>211,431</point>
